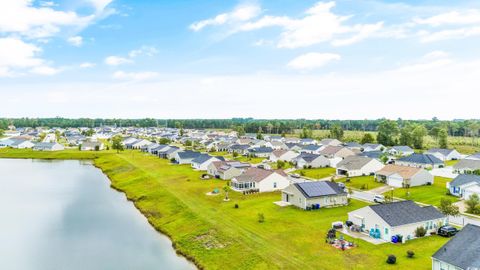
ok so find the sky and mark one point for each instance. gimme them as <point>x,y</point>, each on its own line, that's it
<point>269,59</point>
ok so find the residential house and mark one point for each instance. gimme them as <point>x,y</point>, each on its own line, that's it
<point>22,144</point>
<point>260,151</point>
<point>420,160</point>
<point>43,146</point>
<point>307,141</point>
<point>5,143</point>
<point>358,166</point>
<point>312,149</point>
<point>466,166</point>
<point>294,147</point>
<point>475,156</point>
<point>353,146</point>
<point>462,252</point>
<point>169,153</point>
<point>261,180</point>
<point>464,185</point>
<point>373,154</point>
<point>336,152</point>
<point>315,195</point>
<point>227,169</point>
<point>138,144</point>
<point>284,155</point>
<point>92,146</point>
<point>241,149</point>
<point>367,147</point>
<point>402,218</point>
<point>186,157</point>
<point>202,161</point>
<point>400,150</point>
<point>305,160</point>
<point>445,154</point>
<point>330,142</point>
<point>403,176</point>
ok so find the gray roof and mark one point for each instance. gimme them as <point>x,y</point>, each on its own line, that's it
<point>353,162</point>
<point>200,159</point>
<point>188,154</point>
<point>462,250</point>
<point>470,164</point>
<point>444,152</point>
<point>372,154</point>
<point>421,159</point>
<point>463,179</point>
<point>319,189</point>
<point>311,147</point>
<point>405,212</point>
<point>402,148</point>
<point>261,150</point>
<point>307,157</point>
<point>353,145</point>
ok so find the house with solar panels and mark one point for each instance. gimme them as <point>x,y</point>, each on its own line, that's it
<point>315,195</point>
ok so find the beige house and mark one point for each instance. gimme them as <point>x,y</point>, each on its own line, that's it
<point>260,180</point>
<point>403,176</point>
<point>227,169</point>
<point>315,195</point>
<point>336,152</point>
<point>383,221</point>
<point>285,155</point>
<point>358,166</point>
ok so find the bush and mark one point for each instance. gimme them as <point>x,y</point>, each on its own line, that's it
<point>236,205</point>
<point>410,254</point>
<point>261,218</point>
<point>420,232</point>
<point>391,259</point>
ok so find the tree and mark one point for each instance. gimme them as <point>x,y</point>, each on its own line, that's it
<point>117,143</point>
<point>306,133</point>
<point>240,131</point>
<point>448,208</point>
<point>259,134</point>
<point>473,204</point>
<point>367,138</point>
<point>226,189</point>
<point>418,133</point>
<point>280,164</point>
<point>387,132</point>
<point>420,231</point>
<point>336,132</point>
<point>261,218</point>
<point>2,132</point>
<point>443,138</point>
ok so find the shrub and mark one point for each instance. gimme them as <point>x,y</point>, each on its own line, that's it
<point>236,205</point>
<point>302,173</point>
<point>261,218</point>
<point>420,232</point>
<point>410,254</point>
<point>391,259</point>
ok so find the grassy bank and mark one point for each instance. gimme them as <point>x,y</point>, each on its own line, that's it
<point>216,235</point>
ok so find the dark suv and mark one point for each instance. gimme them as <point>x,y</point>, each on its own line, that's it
<point>447,231</point>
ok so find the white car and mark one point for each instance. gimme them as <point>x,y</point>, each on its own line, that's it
<point>379,198</point>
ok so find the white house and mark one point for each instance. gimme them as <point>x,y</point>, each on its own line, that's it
<point>336,152</point>
<point>445,154</point>
<point>464,185</point>
<point>330,142</point>
<point>403,176</point>
<point>462,252</point>
<point>421,161</point>
<point>285,155</point>
<point>227,169</point>
<point>185,157</point>
<point>367,147</point>
<point>358,166</point>
<point>256,179</point>
<point>92,146</point>
<point>22,144</point>
<point>384,221</point>
<point>315,195</point>
<point>466,166</point>
<point>202,161</point>
<point>48,147</point>
<point>305,160</point>
<point>400,150</point>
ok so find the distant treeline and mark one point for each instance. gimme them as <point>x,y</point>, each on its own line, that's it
<point>249,125</point>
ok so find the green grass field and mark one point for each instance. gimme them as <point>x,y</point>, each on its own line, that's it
<point>362,182</point>
<point>316,173</point>
<point>252,160</point>
<point>427,194</point>
<point>216,235</point>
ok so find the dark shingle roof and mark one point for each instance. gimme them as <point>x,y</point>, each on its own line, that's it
<point>188,154</point>
<point>307,157</point>
<point>462,250</point>
<point>405,212</point>
<point>464,179</point>
<point>372,154</point>
<point>421,159</point>
<point>200,159</point>
<point>319,189</point>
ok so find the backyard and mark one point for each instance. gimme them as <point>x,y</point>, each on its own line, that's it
<point>316,173</point>
<point>362,182</point>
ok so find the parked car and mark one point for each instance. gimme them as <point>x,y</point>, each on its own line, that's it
<point>447,231</point>
<point>379,198</point>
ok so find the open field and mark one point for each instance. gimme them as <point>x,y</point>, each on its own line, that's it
<point>316,173</point>
<point>253,160</point>
<point>427,194</point>
<point>218,236</point>
<point>362,182</point>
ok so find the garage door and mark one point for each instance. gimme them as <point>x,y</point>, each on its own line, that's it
<point>395,182</point>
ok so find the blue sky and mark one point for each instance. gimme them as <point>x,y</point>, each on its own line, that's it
<point>220,59</point>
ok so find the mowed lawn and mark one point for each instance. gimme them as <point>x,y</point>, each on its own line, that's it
<point>362,182</point>
<point>221,236</point>
<point>252,160</point>
<point>316,173</point>
<point>427,194</point>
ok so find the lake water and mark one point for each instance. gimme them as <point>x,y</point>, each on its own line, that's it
<point>64,215</point>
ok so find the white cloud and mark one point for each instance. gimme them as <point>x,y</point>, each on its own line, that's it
<point>144,50</point>
<point>117,60</point>
<point>312,60</point>
<point>100,5</point>
<point>16,56</point>
<point>134,76</point>
<point>76,41</point>
<point>319,24</point>
<point>471,16</point>
<point>87,65</point>
<point>460,33</point>
<point>241,13</point>
<point>430,61</point>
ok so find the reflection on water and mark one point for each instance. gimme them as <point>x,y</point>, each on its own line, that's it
<point>63,215</point>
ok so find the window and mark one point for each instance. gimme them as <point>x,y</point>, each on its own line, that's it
<point>274,184</point>
<point>386,231</point>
